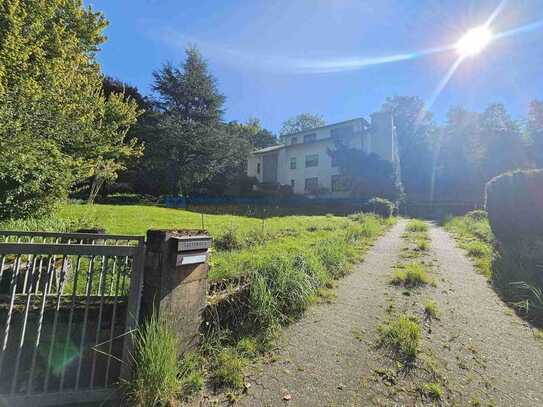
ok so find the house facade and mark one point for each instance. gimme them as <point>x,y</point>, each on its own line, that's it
<point>302,160</point>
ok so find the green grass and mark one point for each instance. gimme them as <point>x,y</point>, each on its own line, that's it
<point>474,235</point>
<point>137,219</point>
<point>432,390</point>
<point>401,334</point>
<point>238,240</point>
<point>422,245</point>
<point>417,225</point>
<point>412,275</point>
<point>228,369</point>
<point>191,373</point>
<point>430,309</point>
<point>155,379</point>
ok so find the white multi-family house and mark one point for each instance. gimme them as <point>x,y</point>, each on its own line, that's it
<point>303,162</point>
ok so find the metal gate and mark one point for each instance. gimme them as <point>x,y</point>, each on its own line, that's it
<point>68,302</point>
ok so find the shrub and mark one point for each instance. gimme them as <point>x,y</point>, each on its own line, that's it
<point>412,275</point>
<point>126,199</point>
<point>402,334</point>
<point>380,206</point>
<point>514,202</point>
<point>34,176</point>
<point>155,378</point>
<point>229,240</point>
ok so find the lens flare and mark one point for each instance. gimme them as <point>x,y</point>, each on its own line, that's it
<point>474,41</point>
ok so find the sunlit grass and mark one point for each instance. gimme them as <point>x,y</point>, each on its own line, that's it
<point>417,225</point>
<point>430,309</point>
<point>412,275</point>
<point>401,334</point>
<point>474,235</point>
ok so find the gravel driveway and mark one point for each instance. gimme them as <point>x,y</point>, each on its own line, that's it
<point>485,355</point>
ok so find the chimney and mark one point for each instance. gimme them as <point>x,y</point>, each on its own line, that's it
<point>383,135</point>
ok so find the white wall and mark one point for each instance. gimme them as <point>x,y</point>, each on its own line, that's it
<point>324,171</point>
<point>252,162</point>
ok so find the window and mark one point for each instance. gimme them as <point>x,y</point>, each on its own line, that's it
<point>333,159</point>
<point>309,138</point>
<point>258,168</point>
<point>340,183</point>
<point>311,160</point>
<point>294,140</point>
<point>311,184</point>
<point>293,163</point>
<point>292,183</point>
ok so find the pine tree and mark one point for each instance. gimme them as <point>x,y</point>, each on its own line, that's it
<point>193,144</point>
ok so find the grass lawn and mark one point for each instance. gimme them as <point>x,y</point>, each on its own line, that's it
<point>241,243</point>
<point>137,219</point>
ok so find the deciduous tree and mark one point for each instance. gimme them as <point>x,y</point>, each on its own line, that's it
<point>301,122</point>
<point>51,93</point>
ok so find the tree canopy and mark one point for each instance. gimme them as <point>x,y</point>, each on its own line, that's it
<point>194,143</point>
<point>301,122</point>
<point>52,105</point>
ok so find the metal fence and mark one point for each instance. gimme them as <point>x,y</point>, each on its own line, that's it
<point>67,304</point>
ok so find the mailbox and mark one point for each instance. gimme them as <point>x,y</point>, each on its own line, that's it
<point>175,280</point>
<point>192,249</point>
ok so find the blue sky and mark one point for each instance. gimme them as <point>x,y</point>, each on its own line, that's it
<point>276,58</point>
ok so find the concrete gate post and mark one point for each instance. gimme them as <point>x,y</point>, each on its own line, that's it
<point>175,280</point>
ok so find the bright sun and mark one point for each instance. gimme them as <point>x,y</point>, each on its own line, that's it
<point>474,41</point>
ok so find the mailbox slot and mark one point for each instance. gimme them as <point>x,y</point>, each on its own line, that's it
<point>191,243</point>
<point>192,257</point>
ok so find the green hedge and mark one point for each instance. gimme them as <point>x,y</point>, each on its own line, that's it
<point>514,202</point>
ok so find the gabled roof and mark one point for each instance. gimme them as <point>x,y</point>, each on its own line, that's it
<point>323,127</point>
<point>268,149</point>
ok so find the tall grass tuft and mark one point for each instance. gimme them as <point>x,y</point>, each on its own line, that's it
<point>52,223</point>
<point>417,225</point>
<point>401,334</point>
<point>155,379</point>
<point>412,275</point>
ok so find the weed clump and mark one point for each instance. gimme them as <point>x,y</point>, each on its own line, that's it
<point>229,240</point>
<point>432,390</point>
<point>402,334</point>
<point>430,309</point>
<point>422,245</point>
<point>155,380</point>
<point>228,369</point>
<point>191,373</point>
<point>412,275</point>
<point>477,249</point>
<point>417,225</point>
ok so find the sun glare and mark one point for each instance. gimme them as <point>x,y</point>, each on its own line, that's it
<point>474,41</point>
